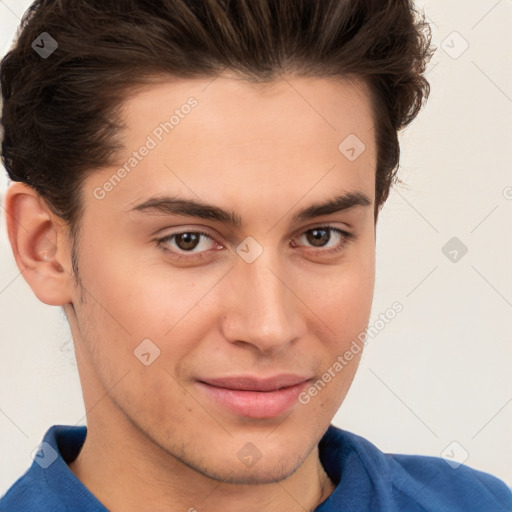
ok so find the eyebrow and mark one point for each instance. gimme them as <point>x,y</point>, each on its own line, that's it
<point>192,208</point>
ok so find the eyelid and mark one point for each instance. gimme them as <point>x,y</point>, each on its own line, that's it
<point>346,237</point>
<point>161,242</point>
<point>179,230</point>
<point>331,224</point>
<point>181,254</point>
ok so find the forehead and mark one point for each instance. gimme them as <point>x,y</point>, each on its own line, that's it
<point>219,138</point>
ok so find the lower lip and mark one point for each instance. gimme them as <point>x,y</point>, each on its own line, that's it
<point>255,404</point>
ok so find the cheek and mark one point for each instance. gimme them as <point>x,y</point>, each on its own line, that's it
<point>342,296</point>
<point>343,304</point>
<point>144,294</point>
<point>347,302</point>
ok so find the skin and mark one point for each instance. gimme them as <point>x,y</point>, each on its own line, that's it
<point>155,440</point>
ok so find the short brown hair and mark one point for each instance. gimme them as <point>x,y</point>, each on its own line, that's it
<point>60,114</point>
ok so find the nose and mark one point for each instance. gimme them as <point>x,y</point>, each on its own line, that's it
<point>262,310</point>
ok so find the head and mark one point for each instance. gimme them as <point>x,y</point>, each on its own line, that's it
<point>199,186</point>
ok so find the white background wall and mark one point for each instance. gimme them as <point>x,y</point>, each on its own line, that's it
<point>441,370</point>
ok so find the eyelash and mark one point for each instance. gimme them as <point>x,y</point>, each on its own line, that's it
<point>346,238</point>
<point>181,255</point>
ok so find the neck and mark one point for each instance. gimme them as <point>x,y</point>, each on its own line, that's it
<point>126,470</point>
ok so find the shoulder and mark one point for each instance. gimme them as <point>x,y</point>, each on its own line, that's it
<point>29,494</point>
<point>433,483</point>
<point>421,483</point>
<point>49,484</point>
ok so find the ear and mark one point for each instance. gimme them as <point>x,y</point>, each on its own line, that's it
<point>39,245</point>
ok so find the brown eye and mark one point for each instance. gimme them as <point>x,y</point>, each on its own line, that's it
<point>192,243</point>
<point>325,239</point>
<point>187,241</point>
<point>318,237</point>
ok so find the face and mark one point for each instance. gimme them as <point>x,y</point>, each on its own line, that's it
<point>227,268</point>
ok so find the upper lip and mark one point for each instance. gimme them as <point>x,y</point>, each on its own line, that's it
<point>248,383</point>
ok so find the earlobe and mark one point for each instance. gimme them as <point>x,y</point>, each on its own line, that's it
<point>38,244</point>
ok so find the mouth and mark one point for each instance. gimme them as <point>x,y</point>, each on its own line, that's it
<point>255,397</point>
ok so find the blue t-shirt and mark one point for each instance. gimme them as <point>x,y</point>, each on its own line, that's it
<point>366,479</point>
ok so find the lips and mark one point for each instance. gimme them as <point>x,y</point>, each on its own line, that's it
<point>254,397</point>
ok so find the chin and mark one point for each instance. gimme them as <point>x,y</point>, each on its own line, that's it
<point>231,465</point>
<point>269,472</point>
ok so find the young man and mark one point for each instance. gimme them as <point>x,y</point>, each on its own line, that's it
<point>198,186</point>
